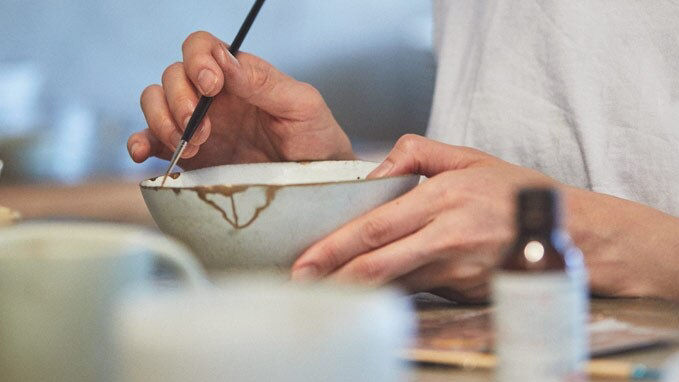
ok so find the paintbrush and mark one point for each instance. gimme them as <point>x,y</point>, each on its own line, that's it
<point>204,102</point>
<point>473,360</point>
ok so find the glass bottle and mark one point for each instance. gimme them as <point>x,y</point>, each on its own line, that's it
<point>540,296</point>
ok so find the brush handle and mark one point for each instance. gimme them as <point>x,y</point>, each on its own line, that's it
<point>196,117</point>
<point>245,27</point>
<point>473,360</point>
<point>204,102</point>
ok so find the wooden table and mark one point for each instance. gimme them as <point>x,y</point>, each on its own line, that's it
<point>112,200</point>
<point>646,312</point>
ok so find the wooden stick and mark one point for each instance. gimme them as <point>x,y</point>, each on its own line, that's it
<point>473,360</point>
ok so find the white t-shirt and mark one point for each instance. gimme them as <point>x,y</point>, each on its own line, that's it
<point>584,91</point>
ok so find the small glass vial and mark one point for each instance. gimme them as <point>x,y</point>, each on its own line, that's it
<point>541,298</point>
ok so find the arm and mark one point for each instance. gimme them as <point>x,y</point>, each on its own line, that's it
<point>445,236</point>
<point>630,249</point>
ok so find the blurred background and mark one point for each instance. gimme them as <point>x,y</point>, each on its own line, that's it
<point>71,73</point>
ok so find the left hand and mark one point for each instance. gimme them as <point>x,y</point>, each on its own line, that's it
<point>444,236</point>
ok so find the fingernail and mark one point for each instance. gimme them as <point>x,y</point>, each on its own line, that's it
<point>207,81</point>
<point>306,273</point>
<point>201,134</point>
<point>230,56</point>
<point>382,170</point>
<point>134,148</point>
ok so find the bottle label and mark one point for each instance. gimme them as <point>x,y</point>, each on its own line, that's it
<point>540,323</point>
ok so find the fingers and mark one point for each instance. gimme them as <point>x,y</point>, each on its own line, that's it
<point>160,120</point>
<point>389,262</point>
<point>211,68</point>
<point>414,154</point>
<point>383,225</point>
<point>477,295</point>
<point>419,263</point>
<point>465,276</point>
<point>143,145</point>
<point>200,50</point>
<point>182,99</point>
<point>262,85</point>
<point>158,116</point>
<point>139,146</point>
<point>423,261</point>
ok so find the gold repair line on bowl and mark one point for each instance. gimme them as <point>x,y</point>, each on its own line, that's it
<point>281,185</point>
<point>229,192</point>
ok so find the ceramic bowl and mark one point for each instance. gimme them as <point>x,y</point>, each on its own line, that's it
<point>265,215</point>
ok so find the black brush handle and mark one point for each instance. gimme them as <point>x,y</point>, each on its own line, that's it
<point>197,116</point>
<point>204,102</point>
<point>245,27</point>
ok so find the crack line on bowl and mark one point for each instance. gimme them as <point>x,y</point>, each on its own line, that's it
<point>229,192</point>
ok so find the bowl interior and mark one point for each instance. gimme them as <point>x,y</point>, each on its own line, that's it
<point>269,174</point>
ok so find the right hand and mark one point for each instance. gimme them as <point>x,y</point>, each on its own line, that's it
<point>258,114</point>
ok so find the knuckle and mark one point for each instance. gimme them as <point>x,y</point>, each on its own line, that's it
<point>445,192</point>
<point>163,128</point>
<point>408,143</point>
<point>311,101</point>
<point>172,69</point>
<point>312,97</point>
<point>146,93</point>
<point>195,36</point>
<point>456,198</point>
<point>182,104</point>
<point>260,78</point>
<point>375,232</point>
<point>329,257</point>
<point>370,270</point>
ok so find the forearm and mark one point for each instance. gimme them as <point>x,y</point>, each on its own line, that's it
<point>630,249</point>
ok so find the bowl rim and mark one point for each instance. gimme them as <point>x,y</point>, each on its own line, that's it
<point>276,185</point>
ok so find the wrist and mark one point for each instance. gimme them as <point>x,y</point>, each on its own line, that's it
<point>628,247</point>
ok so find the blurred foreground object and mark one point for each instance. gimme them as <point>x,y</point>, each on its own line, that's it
<point>8,216</point>
<point>671,369</point>
<point>540,293</point>
<point>60,285</point>
<point>254,328</point>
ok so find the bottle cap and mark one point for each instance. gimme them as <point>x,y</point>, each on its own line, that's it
<point>539,209</point>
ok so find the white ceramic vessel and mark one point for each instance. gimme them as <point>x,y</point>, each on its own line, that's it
<point>253,328</point>
<point>264,215</point>
<point>59,284</point>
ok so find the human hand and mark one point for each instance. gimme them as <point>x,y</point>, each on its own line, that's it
<point>258,114</point>
<point>444,236</point>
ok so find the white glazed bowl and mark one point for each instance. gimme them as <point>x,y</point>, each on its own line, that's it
<point>265,215</point>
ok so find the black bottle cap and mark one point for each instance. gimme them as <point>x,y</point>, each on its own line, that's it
<point>539,209</point>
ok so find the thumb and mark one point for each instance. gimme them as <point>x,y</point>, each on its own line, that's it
<point>259,83</point>
<point>414,154</point>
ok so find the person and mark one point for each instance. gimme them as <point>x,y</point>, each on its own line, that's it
<point>579,96</point>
